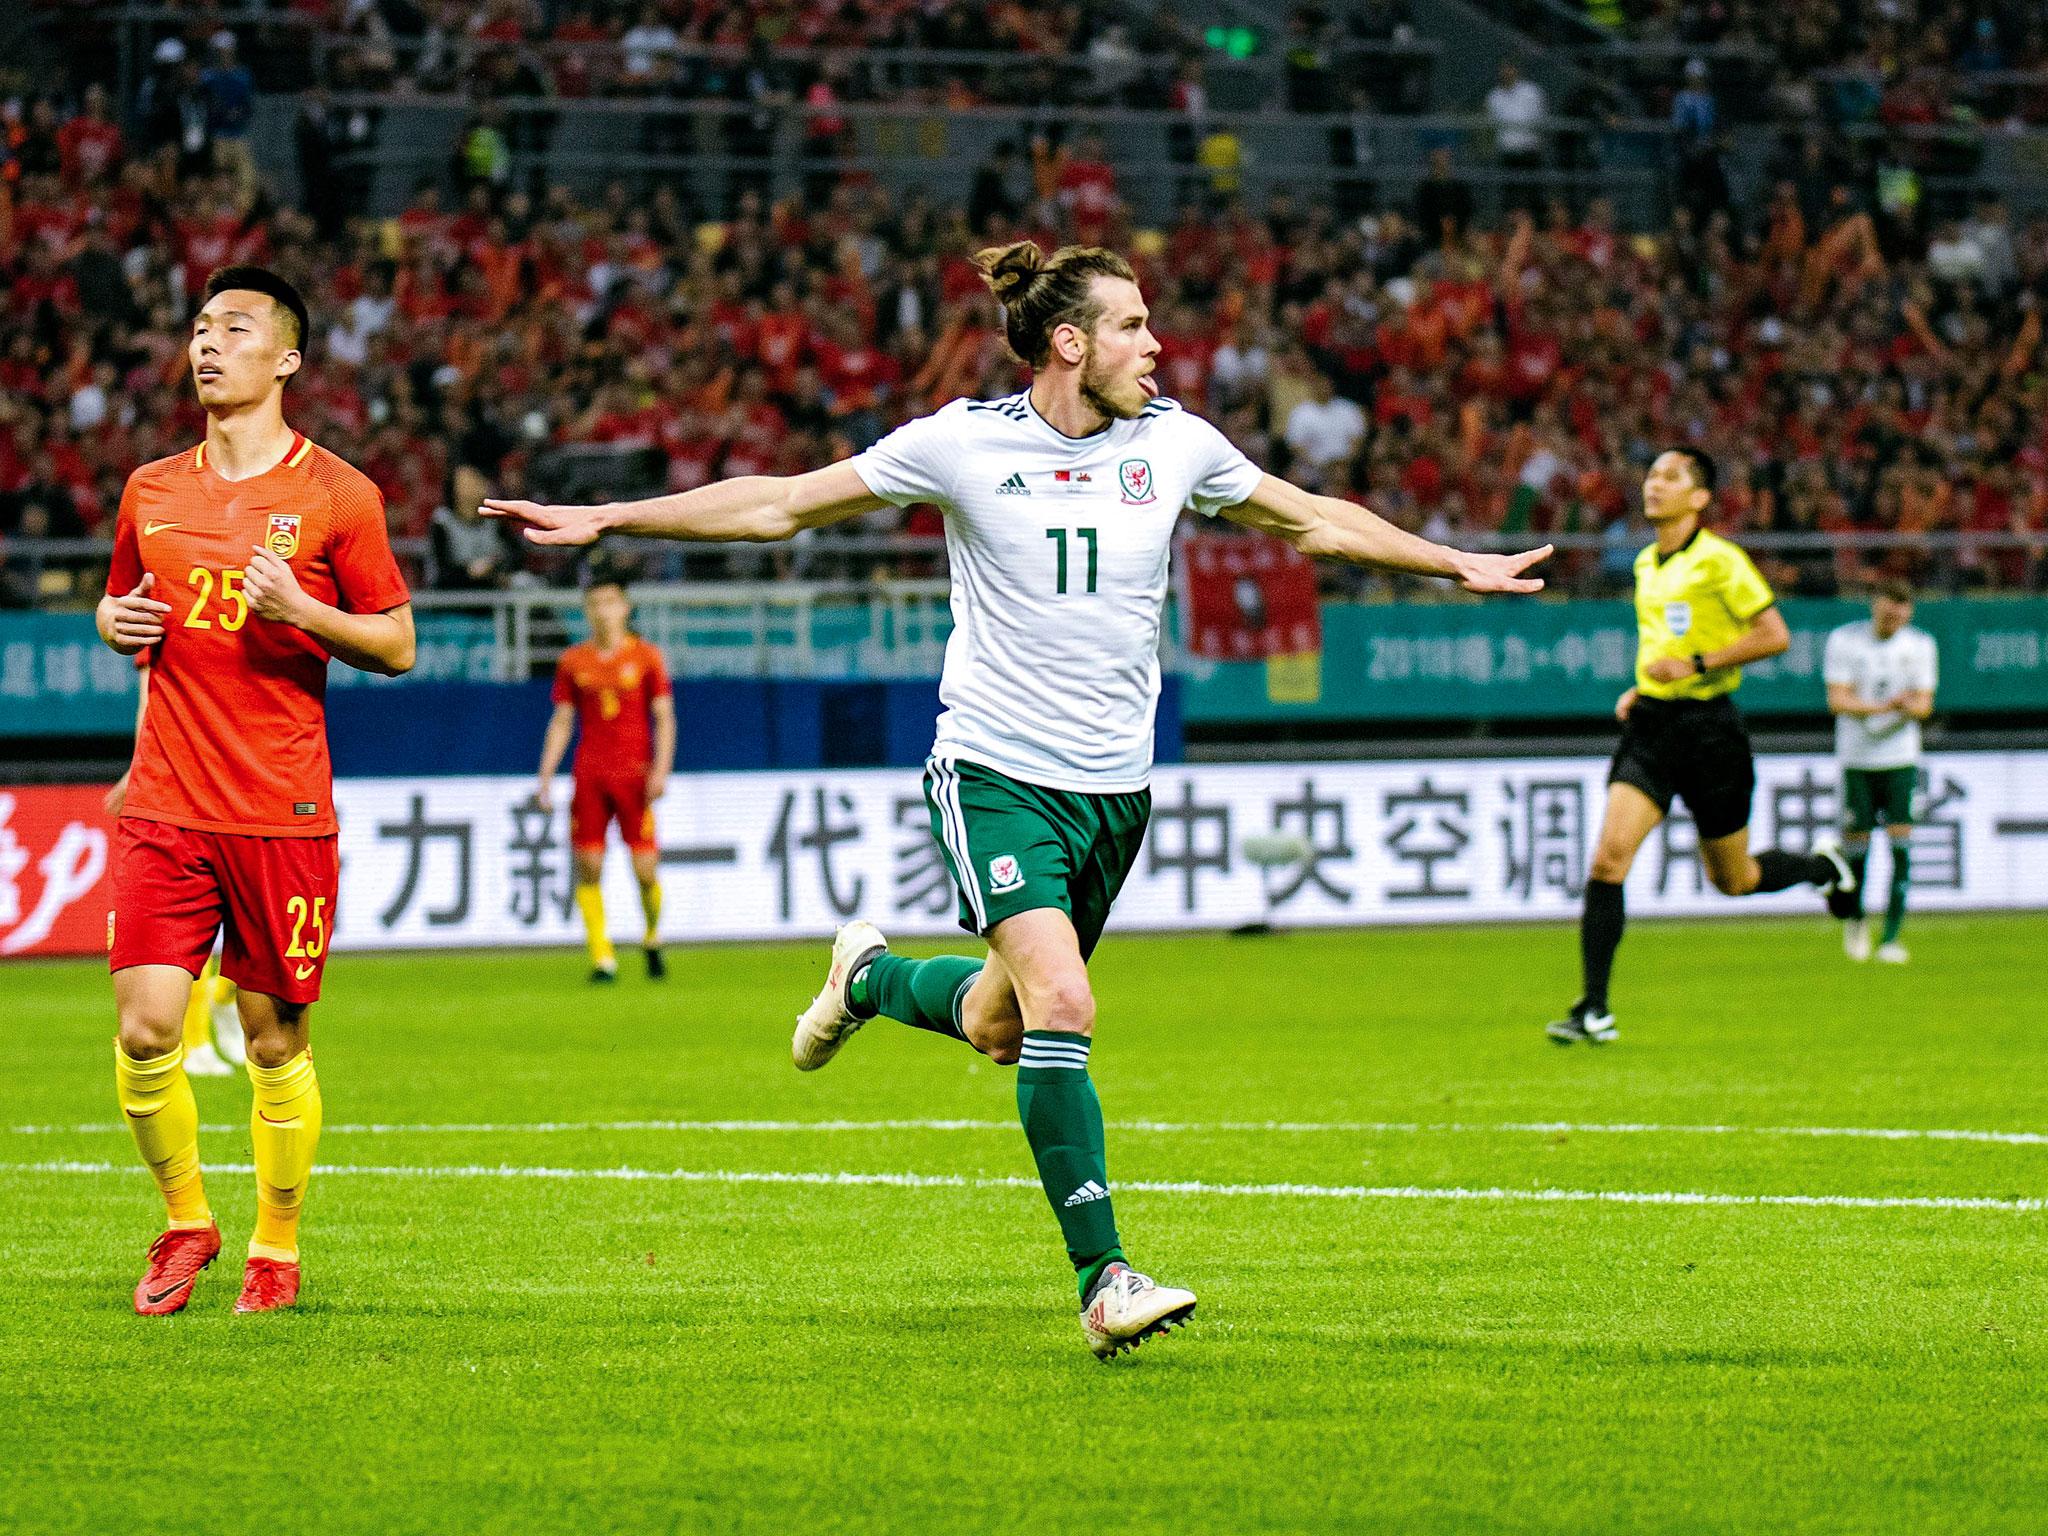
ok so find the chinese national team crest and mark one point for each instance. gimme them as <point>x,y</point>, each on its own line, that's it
<point>1004,873</point>
<point>283,538</point>
<point>1136,477</point>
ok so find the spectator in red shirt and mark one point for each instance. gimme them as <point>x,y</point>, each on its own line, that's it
<point>1086,190</point>
<point>90,145</point>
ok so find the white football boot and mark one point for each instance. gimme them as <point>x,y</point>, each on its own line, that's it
<point>1126,1308</point>
<point>1595,1027</point>
<point>205,1061</point>
<point>826,1025</point>
<point>1856,938</point>
<point>228,1038</point>
<point>1893,953</point>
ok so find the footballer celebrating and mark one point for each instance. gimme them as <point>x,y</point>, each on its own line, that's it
<point>1881,675</point>
<point>1703,611</point>
<point>612,691</point>
<point>1060,506</point>
<point>242,564</point>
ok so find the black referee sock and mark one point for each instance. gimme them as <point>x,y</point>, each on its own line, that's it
<point>1858,855</point>
<point>1599,937</point>
<point>1778,870</point>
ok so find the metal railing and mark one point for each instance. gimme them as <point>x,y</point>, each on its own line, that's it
<point>299,51</point>
<point>1739,73</point>
<point>867,630</point>
<point>593,141</point>
<point>68,572</point>
<point>823,571</point>
<point>1548,23</point>
<point>695,71</point>
<point>1992,93</point>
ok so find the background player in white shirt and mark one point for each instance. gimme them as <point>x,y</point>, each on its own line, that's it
<point>1881,675</point>
<point>1060,507</point>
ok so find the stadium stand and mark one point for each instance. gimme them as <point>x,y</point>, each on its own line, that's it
<point>1513,331</point>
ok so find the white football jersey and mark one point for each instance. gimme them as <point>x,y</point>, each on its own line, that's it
<point>1059,547</point>
<point>1879,670</point>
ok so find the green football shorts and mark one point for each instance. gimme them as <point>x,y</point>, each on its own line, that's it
<point>1013,847</point>
<point>1871,794</point>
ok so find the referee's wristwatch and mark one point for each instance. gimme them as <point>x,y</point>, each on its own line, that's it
<point>1699,664</point>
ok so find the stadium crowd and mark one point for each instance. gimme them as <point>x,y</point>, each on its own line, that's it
<point>1850,371</point>
<point>824,51</point>
<point>1975,36</point>
<point>1892,63</point>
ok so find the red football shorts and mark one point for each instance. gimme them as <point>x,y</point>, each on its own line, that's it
<point>175,889</point>
<point>597,802</point>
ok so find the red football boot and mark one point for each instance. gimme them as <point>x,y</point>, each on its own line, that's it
<point>175,1260</point>
<point>267,1285</point>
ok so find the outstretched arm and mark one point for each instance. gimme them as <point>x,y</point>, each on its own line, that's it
<point>752,508</point>
<point>1342,530</point>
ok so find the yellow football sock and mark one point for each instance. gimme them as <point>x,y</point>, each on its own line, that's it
<point>590,901</point>
<point>156,1096</point>
<point>284,1127</point>
<point>199,1007</point>
<point>650,903</point>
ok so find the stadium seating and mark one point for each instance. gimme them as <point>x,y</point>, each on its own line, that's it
<point>1865,367</point>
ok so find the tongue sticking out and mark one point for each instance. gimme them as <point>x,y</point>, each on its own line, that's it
<point>1150,386</point>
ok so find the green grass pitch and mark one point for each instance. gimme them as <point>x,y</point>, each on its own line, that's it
<point>485,1346</point>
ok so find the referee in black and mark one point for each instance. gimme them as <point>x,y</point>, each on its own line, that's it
<point>1702,611</point>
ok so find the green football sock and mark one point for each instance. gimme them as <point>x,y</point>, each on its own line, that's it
<point>1895,908</point>
<point>1857,852</point>
<point>1063,1122</point>
<point>925,994</point>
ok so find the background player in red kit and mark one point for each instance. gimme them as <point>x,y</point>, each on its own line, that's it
<point>245,563</point>
<point>613,688</point>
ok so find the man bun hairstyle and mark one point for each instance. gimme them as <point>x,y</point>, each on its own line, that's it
<point>1040,293</point>
<point>263,280</point>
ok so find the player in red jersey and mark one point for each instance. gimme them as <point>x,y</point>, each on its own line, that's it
<point>243,564</point>
<point>615,687</point>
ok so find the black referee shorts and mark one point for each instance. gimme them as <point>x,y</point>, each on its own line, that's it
<point>1696,749</point>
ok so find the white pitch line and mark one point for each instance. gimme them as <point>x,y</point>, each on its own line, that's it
<point>1675,1197</point>
<point>1161,1127</point>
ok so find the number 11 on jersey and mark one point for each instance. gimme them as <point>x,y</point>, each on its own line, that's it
<point>1059,535</point>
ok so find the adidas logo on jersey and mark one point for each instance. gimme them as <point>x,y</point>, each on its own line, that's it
<point>1014,486</point>
<point>1088,1192</point>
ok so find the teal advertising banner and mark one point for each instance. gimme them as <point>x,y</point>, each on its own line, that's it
<point>1549,660</point>
<point>1423,662</point>
<point>57,679</point>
